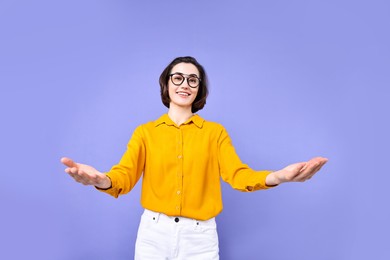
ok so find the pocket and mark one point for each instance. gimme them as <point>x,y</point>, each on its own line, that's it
<point>202,240</point>
<point>145,223</point>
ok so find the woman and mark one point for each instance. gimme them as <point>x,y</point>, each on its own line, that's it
<point>182,158</point>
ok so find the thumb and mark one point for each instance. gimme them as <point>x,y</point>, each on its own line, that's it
<point>68,162</point>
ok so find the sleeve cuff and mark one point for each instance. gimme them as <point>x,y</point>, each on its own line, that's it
<point>260,184</point>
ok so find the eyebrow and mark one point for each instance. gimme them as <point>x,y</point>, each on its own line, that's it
<point>191,75</point>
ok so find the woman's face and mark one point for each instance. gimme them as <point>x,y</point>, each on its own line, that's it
<point>183,95</point>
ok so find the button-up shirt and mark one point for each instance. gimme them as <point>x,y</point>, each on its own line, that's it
<point>181,167</point>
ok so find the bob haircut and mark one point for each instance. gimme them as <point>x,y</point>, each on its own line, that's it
<point>203,91</point>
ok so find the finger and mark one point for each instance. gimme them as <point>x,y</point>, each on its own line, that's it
<point>74,170</point>
<point>80,178</point>
<point>318,165</point>
<point>310,168</point>
<point>309,171</point>
<point>75,176</point>
<point>317,169</point>
<point>310,175</point>
<point>299,166</point>
<point>313,170</point>
<point>68,162</point>
<point>304,166</point>
<point>321,160</point>
<point>324,159</point>
<point>294,170</point>
<point>305,172</point>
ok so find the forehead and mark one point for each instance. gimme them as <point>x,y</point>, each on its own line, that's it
<point>186,68</point>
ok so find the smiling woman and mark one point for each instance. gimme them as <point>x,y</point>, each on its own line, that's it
<point>182,158</point>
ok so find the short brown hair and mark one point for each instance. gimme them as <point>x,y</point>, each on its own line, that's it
<point>203,91</point>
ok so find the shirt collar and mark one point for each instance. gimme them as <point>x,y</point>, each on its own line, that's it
<point>165,119</point>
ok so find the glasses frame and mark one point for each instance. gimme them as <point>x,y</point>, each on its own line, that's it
<point>185,76</point>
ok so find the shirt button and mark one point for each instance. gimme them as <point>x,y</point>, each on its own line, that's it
<point>177,207</point>
<point>179,156</point>
<point>178,192</point>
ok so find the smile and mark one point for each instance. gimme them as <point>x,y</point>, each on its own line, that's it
<point>183,93</point>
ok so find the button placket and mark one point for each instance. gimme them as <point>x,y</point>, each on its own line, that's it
<point>179,155</point>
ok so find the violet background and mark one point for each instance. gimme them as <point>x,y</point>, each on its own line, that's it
<point>289,80</point>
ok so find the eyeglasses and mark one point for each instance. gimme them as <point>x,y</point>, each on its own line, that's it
<point>178,79</point>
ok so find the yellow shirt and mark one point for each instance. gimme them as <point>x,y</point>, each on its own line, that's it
<point>181,167</point>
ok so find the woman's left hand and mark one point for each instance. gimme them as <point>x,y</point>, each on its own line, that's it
<point>297,172</point>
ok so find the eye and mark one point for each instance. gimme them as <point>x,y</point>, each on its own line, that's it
<point>193,80</point>
<point>177,79</point>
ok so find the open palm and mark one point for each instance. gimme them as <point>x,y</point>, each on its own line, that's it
<point>85,174</point>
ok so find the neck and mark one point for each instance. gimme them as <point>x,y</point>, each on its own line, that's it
<point>179,114</point>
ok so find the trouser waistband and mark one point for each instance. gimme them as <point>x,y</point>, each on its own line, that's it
<point>156,216</point>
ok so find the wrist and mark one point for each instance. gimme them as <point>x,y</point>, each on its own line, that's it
<point>272,179</point>
<point>106,183</point>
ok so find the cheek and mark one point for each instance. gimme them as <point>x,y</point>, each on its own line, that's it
<point>171,91</point>
<point>195,94</point>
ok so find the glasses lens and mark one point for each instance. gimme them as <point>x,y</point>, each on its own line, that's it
<point>177,79</point>
<point>193,82</point>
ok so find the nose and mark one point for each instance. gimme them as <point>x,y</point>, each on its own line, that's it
<point>185,84</point>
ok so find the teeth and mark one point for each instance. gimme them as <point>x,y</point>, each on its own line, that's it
<point>183,93</point>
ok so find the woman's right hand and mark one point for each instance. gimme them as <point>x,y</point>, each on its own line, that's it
<point>86,174</point>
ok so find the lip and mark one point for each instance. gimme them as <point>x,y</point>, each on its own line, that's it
<point>184,92</point>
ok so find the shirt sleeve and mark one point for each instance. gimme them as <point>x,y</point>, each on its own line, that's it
<point>239,175</point>
<point>128,171</point>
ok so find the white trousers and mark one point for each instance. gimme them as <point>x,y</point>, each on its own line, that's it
<point>163,237</point>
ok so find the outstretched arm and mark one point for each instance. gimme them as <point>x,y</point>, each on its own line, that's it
<point>86,174</point>
<point>297,172</point>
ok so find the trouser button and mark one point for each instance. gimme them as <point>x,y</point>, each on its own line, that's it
<point>176,220</point>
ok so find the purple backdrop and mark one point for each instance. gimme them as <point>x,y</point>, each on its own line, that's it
<point>289,80</point>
